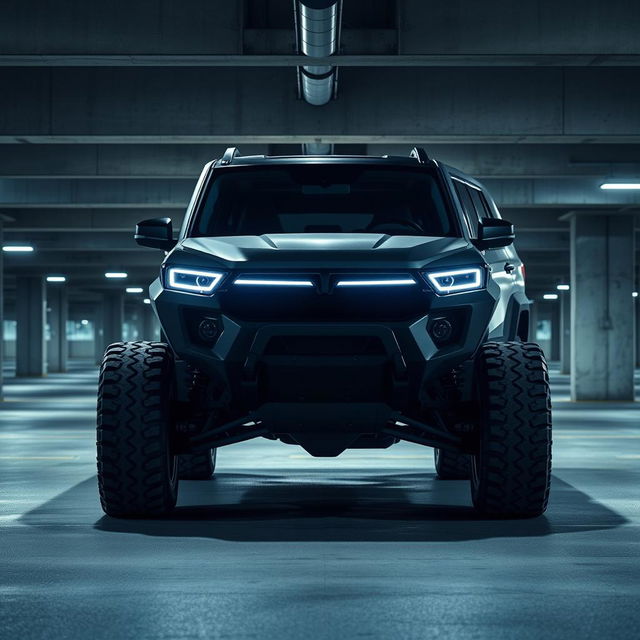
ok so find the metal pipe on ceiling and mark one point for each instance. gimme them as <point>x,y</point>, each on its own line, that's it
<point>317,34</point>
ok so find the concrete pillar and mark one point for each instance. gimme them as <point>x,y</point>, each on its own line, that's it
<point>98,344</point>
<point>1,311</point>
<point>57,350</point>
<point>31,321</point>
<point>149,329</point>
<point>637,310</point>
<point>602,314</point>
<point>533,321</point>
<point>565,332</point>
<point>112,317</point>
<point>554,315</point>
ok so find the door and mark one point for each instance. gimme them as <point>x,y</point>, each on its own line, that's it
<point>506,267</point>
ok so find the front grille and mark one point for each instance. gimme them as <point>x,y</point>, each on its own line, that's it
<point>325,346</point>
<point>328,303</point>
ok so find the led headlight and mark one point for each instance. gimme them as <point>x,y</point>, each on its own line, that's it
<point>193,280</point>
<point>445,282</point>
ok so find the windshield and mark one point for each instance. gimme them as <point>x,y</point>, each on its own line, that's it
<point>323,199</point>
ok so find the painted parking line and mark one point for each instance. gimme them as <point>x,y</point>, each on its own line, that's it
<point>597,436</point>
<point>38,457</point>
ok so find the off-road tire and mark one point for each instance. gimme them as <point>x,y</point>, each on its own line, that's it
<point>137,473</point>
<point>451,466</point>
<point>197,466</point>
<point>511,473</point>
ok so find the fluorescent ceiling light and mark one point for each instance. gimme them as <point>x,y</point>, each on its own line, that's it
<point>621,186</point>
<point>563,287</point>
<point>375,283</point>
<point>635,294</point>
<point>18,248</point>
<point>550,296</point>
<point>274,283</point>
<point>56,279</point>
<point>115,274</point>
<point>147,301</point>
<point>134,289</point>
<point>84,323</point>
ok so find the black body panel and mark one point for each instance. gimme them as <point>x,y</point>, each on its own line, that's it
<point>325,364</point>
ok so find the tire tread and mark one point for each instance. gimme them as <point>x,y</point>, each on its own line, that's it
<point>133,430</point>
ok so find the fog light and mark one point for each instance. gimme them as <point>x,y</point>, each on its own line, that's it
<point>208,330</point>
<point>441,330</point>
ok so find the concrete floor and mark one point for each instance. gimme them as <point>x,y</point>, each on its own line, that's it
<point>280,545</point>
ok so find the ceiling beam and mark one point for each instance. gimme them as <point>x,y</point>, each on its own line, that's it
<point>324,137</point>
<point>161,161</point>
<point>409,105</point>
<point>276,60</point>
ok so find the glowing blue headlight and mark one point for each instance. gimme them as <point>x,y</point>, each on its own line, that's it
<point>193,280</point>
<point>456,280</point>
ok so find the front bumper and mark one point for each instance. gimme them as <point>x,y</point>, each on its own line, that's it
<point>327,358</point>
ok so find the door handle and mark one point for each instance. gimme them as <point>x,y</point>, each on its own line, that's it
<point>509,268</point>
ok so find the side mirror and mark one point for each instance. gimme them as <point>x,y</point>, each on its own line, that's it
<point>494,233</point>
<point>156,233</point>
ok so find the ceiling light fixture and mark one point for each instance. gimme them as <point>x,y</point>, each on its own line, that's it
<point>620,186</point>
<point>18,248</point>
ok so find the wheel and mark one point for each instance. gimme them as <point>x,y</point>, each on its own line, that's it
<point>137,473</point>
<point>450,465</point>
<point>197,466</point>
<point>511,473</point>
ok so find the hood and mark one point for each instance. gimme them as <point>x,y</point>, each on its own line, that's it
<point>325,250</point>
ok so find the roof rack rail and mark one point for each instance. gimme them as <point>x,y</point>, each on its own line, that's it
<point>420,155</point>
<point>229,155</point>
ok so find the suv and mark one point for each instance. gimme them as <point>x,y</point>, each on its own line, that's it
<point>331,302</point>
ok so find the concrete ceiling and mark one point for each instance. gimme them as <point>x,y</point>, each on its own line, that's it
<point>109,110</point>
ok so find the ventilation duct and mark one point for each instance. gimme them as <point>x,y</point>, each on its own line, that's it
<point>317,33</point>
<point>317,149</point>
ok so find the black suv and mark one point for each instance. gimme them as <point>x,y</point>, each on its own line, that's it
<point>332,303</point>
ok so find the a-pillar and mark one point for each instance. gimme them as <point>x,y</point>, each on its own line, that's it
<point>565,332</point>
<point>602,313</point>
<point>58,305</point>
<point>112,317</point>
<point>31,321</point>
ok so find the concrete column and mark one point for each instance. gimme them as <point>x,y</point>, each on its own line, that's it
<point>58,349</point>
<point>533,321</point>
<point>565,332</point>
<point>149,328</point>
<point>31,321</point>
<point>602,314</point>
<point>1,311</point>
<point>637,310</point>
<point>98,344</point>
<point>556,331</point>
<point>112,317</point>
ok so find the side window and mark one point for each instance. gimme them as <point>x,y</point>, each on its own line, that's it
<point>493,208</point>
<point>480,203</point>
<point>467,206</point>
